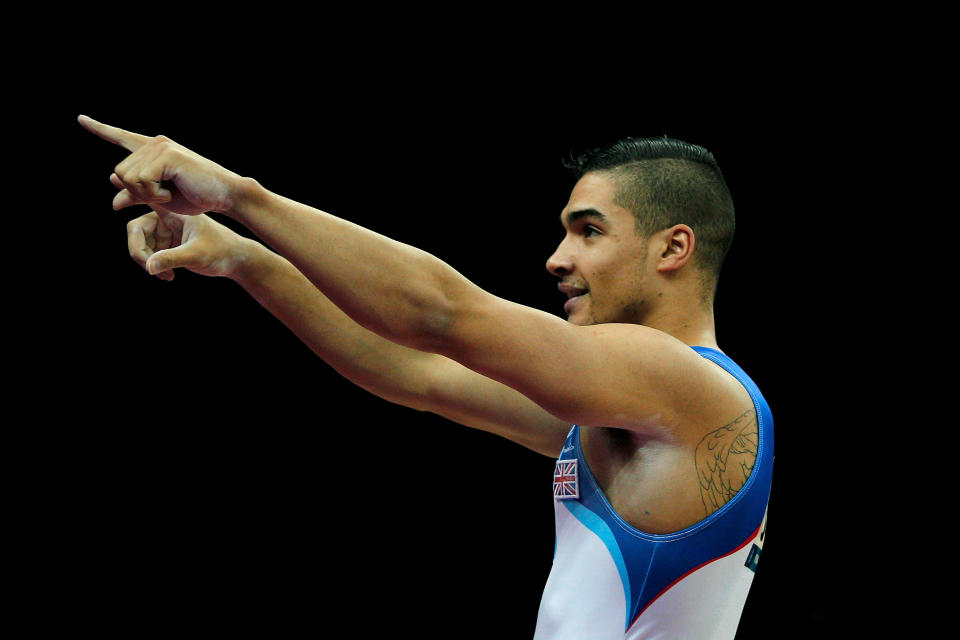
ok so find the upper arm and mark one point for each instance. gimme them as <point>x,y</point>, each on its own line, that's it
<point>612,375</point>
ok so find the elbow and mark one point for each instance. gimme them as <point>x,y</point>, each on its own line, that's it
<point>415,319</point>
<point>442,322</point>
<point>431,329</point>
<point>433,313</point>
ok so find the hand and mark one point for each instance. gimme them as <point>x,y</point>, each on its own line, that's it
<point>160,171</point>
<point>161,241</point>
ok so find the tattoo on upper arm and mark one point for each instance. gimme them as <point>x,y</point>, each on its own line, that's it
<point>724,460</point>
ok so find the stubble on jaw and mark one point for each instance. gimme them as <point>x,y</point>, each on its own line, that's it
<point>631,310</point>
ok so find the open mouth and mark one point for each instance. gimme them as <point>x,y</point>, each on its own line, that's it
<point>575,295</point>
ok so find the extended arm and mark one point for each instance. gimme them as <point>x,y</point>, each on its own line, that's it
<point>415,379</point>
<point>625,376</point>
<point>405,376</point>
<point>606,375</point>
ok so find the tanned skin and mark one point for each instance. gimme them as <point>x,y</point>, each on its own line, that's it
<point>669,435</point>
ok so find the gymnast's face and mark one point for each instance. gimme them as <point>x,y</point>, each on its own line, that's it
<point>602,262</point>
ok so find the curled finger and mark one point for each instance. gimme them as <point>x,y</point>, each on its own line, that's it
<point>124,199</point>
<point>127,173</point>
<point>140,174</point>
<point>149,174</point>
<point>138,232</point>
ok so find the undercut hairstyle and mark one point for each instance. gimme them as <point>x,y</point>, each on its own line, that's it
<point>664,182</point>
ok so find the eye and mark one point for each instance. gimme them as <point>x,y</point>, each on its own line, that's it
<point>589,231</point>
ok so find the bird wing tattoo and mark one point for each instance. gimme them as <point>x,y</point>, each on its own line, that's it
<point>725,458</point>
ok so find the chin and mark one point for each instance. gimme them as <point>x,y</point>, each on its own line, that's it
<point>581,319</point>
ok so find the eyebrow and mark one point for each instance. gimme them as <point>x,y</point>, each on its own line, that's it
<point>573,216</point>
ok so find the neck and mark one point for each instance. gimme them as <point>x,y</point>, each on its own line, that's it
<point>692,324</point>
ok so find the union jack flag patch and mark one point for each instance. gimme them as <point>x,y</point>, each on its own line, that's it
<point>565,484</point>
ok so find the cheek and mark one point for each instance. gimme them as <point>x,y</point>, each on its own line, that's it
<point>622,292</point>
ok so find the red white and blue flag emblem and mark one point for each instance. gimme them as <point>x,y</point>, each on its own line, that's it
<point>565,485</point>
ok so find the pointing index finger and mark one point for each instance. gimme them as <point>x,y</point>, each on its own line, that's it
<point>126,139</point>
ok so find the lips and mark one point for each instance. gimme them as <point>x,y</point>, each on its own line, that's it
<point>575,295</point>
<point>571,289</point>
<point>571,305</point>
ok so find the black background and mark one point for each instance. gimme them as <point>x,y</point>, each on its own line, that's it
<point>200,468</point>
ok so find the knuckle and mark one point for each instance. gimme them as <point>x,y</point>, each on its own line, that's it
<point>126,177</point>
<point>137,224</point>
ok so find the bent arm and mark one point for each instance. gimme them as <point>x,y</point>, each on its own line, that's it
<point>399,374</point>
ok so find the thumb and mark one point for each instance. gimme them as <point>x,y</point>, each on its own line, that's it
<point>167,259</point>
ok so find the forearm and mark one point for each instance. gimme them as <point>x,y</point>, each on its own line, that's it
<point>389,370</point>
<point>416,379</point>
<point>393,289</point>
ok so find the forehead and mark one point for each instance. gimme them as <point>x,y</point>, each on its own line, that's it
<point>594,192</point>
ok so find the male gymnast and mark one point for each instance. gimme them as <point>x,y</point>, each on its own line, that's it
<point>664,445</point>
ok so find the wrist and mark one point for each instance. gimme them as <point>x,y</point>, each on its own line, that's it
<point>247,262</point>
<point>247,195</point>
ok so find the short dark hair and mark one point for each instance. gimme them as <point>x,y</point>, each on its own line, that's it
<point>664,182</point>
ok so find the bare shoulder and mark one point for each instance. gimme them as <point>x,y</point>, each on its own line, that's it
<point>689,395</point>
<point>620,375</point>
<point>686,465</point>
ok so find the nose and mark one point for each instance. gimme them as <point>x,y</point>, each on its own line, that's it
<point>561,262</point>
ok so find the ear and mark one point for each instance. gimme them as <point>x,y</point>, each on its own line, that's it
<point>678,243</point>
